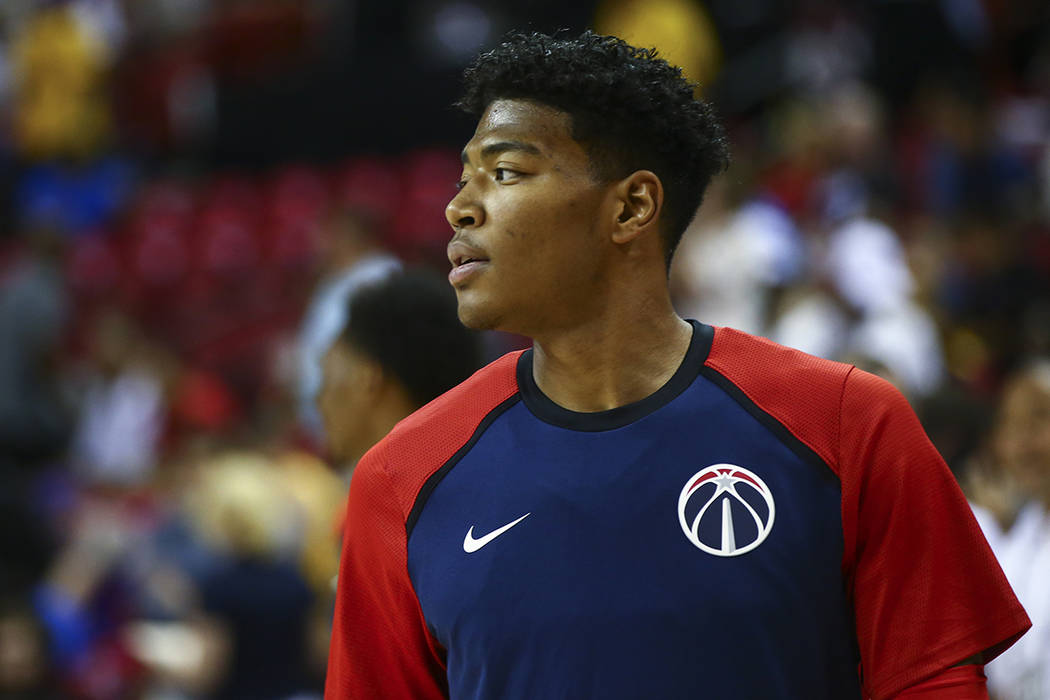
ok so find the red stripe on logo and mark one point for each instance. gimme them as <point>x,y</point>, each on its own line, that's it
<point>702,479</point>
<point>745,477</point>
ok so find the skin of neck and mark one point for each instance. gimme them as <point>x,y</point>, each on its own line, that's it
<point>622,347</point>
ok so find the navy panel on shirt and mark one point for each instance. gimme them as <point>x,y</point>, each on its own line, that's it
<point>600,592</point>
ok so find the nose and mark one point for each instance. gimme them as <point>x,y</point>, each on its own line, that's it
<point>464,212</point>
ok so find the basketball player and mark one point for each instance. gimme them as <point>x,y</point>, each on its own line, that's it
<point>402,347</point>
<point>642,506</point>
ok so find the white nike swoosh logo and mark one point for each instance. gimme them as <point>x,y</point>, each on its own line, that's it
<point>472,545</point>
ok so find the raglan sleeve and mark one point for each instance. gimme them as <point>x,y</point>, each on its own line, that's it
<point>380,645</point>
<point>927,591</point>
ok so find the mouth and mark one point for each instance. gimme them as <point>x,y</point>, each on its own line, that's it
<point>465,269</point>
<point>466,260</point>
<point>460,260</point>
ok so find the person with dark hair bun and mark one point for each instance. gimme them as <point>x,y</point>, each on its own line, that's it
<point>641,506</point>
<point>403,347</point>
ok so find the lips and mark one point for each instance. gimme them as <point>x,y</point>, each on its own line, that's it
<point>467,261</point>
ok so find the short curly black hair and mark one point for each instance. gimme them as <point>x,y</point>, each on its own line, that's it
<point>629,109</point>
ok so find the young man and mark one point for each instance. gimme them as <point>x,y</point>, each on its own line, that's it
<point>402,347</point>
<point>640,506</point>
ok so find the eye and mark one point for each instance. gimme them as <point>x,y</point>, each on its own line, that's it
<point>502,174</point>
<point>461,184</point>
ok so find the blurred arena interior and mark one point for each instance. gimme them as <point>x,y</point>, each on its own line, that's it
<point>180,179</point>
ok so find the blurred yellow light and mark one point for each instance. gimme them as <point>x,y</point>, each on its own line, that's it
<point>680,30</point>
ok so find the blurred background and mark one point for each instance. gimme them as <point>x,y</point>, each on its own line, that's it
<point>182,180</point>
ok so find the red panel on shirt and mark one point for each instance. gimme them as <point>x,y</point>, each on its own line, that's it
<point>927,591</point>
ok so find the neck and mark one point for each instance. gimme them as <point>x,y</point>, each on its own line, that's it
<point>614,358</point>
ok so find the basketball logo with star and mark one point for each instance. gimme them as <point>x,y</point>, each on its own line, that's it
<point>726,510</point>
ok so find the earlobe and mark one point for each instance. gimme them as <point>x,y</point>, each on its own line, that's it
<point>640,198</point>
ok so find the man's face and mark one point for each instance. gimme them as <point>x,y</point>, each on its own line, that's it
<point>531,241</point>
<point>1022,436</point>
<point>343,402</point>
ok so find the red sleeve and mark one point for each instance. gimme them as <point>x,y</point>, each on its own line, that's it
<point>927,590</point>
<point>957,683</point>
<point>380,645</point>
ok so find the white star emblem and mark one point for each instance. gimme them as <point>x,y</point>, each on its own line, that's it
<point>724,482</point>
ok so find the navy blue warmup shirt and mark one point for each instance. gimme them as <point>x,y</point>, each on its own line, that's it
<point>766,525</point>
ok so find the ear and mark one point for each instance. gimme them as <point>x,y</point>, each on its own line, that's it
<point>640,197</point>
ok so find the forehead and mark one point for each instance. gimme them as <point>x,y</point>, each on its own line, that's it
<point>546,128</point>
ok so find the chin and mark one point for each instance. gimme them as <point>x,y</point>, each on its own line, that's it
<point>478,317</point>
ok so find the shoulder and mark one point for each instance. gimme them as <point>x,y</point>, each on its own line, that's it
<point>761,365</point>
<point>424,441</point>
<point>801,392</point>
<point>820,402</point>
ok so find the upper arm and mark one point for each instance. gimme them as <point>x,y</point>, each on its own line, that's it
<point>927,591</point>
<point>380,645</point>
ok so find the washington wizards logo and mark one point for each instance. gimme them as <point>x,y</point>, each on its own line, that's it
<point>726,510</point>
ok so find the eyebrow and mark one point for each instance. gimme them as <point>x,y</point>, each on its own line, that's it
<point>502,147</point>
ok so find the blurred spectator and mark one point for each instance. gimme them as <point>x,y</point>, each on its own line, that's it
<point>735,257</point>
<point>402,347</point>
<point>104,20</point>
<point>352,256</point>
<point>35,424</point>
<point>1011,496</point>
<point>234,585</point>
<point>24,664</point>
<point>825,49</point>
<point>865,311</point>
<point>964,161</point>
<point>86,598</point>
<point>34,309</point>
<point>58,68</point>
<point>256,590</point>
<point>123,406</point>
<point>870,273</point>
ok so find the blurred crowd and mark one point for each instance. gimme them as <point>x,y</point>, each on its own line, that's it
<point>168,507</point>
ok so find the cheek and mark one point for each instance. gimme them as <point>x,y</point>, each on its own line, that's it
<point>326,407</point>
<point>550,235</point>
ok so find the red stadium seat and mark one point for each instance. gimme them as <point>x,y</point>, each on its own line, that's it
<point>233,195</point>
<point>225,243</point>
<point>297,194</point>
<point>159,258</point>
<point>168,197</point>
<point>370,184</point>
<point>93,267</point>
<point>420,230</point>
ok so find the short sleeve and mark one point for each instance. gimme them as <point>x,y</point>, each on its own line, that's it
<point>380,646</point>
<point>927,591</point>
